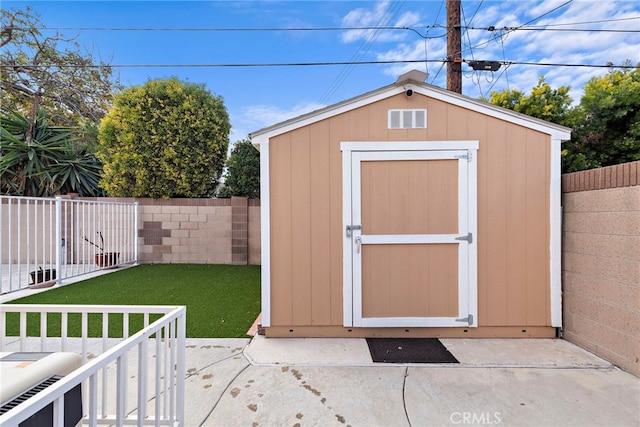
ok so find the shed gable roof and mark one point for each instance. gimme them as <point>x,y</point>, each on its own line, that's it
<point>408,81</point>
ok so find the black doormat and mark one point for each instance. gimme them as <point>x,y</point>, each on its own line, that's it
<point>409,350</point>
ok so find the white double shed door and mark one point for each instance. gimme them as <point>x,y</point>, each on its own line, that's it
<point>410,223</point>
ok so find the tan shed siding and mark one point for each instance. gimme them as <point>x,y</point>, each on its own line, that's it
<point>281,216</point>
<point>334,233</point>
<point>320,158</point>
<point>513,212</point>
<point>516,203</point>
<point>537,226</point>
<point>301,226</point>
<point>513,227</point>
<point>492,217</point>
<point>513,215</point>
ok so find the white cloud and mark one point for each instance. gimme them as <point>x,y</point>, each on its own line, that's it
<point>255,117</point>
<point>362,17</point>
<point>382,15</point>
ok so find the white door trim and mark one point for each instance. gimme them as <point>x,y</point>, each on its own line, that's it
<point>352,154</point>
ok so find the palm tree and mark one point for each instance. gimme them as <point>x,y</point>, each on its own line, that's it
<point>41,161</point>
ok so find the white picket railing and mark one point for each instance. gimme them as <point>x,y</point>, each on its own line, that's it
<point>137,379</point>
<point>47,240</point>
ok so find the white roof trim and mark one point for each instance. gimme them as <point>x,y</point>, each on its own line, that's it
<point>556,131</point>
<point>325,113</point>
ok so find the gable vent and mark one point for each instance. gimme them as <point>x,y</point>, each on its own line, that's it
<point>408,119</point>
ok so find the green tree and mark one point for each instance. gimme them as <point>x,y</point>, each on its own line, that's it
<point>607,125</point>
<point>166,138</point>
<point>546,103</point>
<point>40,160</point>
<point>243,172</point>
<point>51,72</point>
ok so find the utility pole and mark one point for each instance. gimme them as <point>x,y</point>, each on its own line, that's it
<point>454,47</point>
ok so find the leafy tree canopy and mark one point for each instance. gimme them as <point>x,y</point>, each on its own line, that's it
<point>51,71</point>
<point>607,124</point>
<point>166,138</point>
<point>243,171</point>
<point>545,103</point>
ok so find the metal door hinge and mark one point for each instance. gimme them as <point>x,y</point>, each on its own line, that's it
<point>351,228</point>
<point>468,319</point>
<point>468,156</point>
<point>468,238</point>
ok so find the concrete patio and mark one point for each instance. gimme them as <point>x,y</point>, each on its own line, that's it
<point>289,381</point>
<point>333,382</point>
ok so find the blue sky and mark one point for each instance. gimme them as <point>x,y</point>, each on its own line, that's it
<point>261,96</point>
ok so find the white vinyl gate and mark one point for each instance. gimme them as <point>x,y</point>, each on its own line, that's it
<point>47,240</point>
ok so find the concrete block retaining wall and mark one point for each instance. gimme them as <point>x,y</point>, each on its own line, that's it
<point>601,262</point>
<point>199,231</point>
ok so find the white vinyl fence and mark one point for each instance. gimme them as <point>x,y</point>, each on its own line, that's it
<point>134,379</point>
<point>44,241</point>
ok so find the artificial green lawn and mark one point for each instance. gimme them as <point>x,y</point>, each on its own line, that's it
<point>222,300</point>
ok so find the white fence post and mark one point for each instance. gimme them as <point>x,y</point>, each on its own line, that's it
<point>59,240</point>
<point>135,231</point>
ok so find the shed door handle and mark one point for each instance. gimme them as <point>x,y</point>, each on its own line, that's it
<point>358,243</point>
<point>351,228</point>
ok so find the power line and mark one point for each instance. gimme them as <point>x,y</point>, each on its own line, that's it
<point>474,73</point>
<point>583,30</point>
<point>312,64</point>
<point>602,21</point>
<point>266,29</point>
<point>545,14</point>
<point>386,28</point>
<point>552,64</point>
<point>520,26</point>
<point>222,29</point>
<point>360,52</point>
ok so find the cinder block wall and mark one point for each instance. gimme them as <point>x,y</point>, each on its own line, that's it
<point>199,231</point>
<point>601,262</point>
<point>206,231</point>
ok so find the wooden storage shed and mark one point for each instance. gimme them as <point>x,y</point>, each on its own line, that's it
<point>411,211</point>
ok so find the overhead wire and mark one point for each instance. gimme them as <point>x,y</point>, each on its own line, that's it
<point>426,41</point>
<point>545,14</point>
<point>311,64</point>
<point>545,27</point>
<point>601,21</point>
<point>499,35</point>
<point>359,53</point>
<point>223,29</point>
<point>525,24</point>
<point>506,75</point>
<point>276,29</point>
<point>578,30</point>
<point>466,33</point>
<point>444,63</point>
